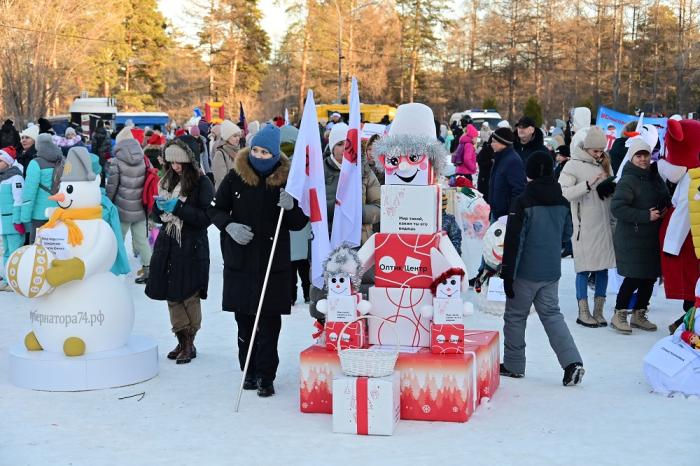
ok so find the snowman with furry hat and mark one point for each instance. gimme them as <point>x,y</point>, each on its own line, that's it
<point>344,304</point>
<point>82,307</point>
<point>411,215</point>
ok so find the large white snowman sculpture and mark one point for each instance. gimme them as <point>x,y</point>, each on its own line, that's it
<point>87,309</point>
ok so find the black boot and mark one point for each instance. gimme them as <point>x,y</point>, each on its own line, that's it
<point>265,389</point>
<point>508,373</point>
<point>573,374</point>
<point>250,383</point>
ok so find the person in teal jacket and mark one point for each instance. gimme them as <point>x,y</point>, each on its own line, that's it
<point>110,214</point>
<point>37,186</point>
<point>11,229</point>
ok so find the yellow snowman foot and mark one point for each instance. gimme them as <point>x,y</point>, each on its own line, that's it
<point>74,346</point>
<point>31,343</point>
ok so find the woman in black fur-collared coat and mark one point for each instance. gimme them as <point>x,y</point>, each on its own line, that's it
<point>246,210</point>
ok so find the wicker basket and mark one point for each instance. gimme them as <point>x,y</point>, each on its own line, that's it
<point>359,362</point>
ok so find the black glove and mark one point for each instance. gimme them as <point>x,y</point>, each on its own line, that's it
<point>606,188</point>
<point>508,287</point>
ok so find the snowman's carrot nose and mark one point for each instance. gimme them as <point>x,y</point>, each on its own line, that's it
<point>59,197</point>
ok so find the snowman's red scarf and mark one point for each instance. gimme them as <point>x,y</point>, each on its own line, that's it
<point>67,216</point>
<point>444,276</point>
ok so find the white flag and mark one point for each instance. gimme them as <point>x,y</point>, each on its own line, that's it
<point>347,217</point>
<point>286,116</point>
<point>306,183</point>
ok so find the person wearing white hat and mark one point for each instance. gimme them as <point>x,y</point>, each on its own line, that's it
<point>334,120</point>
<point>371,195</point>
<point>27,139</point>
<point>226,151</point>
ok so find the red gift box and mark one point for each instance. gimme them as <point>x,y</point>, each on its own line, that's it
<point>355,336</point>
<point>486,346</point>
<point>433,387</point>
<point>403,260</point>
<point>447,338</point>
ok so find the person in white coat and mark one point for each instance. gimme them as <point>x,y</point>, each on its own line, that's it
<point>586,182</point>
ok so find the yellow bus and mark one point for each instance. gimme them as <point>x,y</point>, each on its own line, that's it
<point>372,113</point>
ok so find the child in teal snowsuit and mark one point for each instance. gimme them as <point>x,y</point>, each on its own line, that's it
<point>11,228</point>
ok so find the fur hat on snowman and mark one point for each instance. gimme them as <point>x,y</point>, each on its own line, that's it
<point>343,275</point>
<point>411,147</point>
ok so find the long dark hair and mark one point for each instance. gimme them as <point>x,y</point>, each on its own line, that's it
<point>188,181</point>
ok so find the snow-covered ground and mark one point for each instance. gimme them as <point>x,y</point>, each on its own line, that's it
<point>186,416</point>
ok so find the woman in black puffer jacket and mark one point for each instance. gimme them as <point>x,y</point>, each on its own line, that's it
<point>639,203</point>
<point>179,271</point>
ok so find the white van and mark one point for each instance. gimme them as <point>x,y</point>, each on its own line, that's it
<point>479,116</point>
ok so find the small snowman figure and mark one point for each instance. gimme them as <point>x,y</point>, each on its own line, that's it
<point>90,309</point>
<point>344,303</point>
<point>448,310</point>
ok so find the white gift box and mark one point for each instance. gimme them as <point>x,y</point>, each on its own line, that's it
<point>411,209</point>
<point>401,307</point>
<point>342,308</point>
<point>448,311</point>
<point>366,405</point>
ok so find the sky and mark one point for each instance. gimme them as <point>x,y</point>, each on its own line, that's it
<point>273,17</point>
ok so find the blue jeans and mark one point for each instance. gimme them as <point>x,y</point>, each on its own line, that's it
<point>601,283</point>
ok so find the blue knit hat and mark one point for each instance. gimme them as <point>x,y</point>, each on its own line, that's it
<point>268,138</point>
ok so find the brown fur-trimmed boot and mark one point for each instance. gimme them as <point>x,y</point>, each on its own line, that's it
<point>173,354</point>
<point>185,355</point>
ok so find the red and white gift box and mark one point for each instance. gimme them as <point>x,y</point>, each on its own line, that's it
<point>411,209</point>
<point>402,260</point>
<point>434,387</point>
<point>401,307</point>
<point>355,336</point>
<point>366,405</point>
<point>446,338</point>
<point>485,346</point>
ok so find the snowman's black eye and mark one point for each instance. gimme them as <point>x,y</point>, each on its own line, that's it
<point>341,280</point>
<point>69,189</point>
<point>498,232</point>
<point>453,282</point>
<point>332,280</point>
<point>444,282</point>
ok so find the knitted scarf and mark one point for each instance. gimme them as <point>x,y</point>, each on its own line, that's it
<point>173,223</point>
<point>67,216</point>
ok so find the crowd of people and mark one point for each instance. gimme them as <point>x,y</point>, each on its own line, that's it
<point>560,201</point>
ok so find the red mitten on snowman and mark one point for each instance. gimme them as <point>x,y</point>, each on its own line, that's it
<point>344,304</point>
<point>448,310</point>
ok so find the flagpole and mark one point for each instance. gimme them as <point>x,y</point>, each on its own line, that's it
<point>257,313</point>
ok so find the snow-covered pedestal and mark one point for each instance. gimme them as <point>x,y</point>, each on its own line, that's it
<point>135,362</point>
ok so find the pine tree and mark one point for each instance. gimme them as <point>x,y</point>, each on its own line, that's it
<point>142,81</point>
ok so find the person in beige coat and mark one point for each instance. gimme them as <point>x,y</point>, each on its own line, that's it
<point>587,183</point>
<point>224,154</point>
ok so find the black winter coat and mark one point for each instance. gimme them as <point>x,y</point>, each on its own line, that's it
<point>485,161</point>
<point>247,198</point>
<point>507,181</point>
<point>617,153</point>
<point>25,157</point>
<point>179,271</point>
<point>636,237</point>
<point>534,145</point>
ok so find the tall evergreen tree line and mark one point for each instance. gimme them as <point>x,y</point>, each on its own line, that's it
<point>561,53</point>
